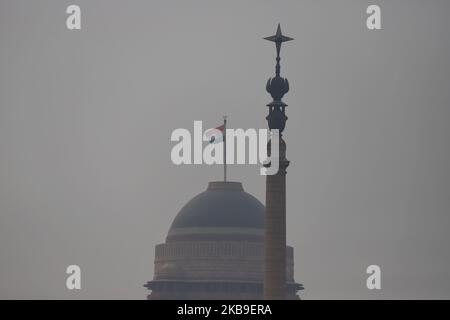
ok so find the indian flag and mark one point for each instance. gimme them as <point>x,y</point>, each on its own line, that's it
<point>215,135</point>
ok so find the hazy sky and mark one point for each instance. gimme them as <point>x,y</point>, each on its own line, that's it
<point>86,118</point>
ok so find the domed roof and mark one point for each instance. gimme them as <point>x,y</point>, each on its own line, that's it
<point>223,206</point>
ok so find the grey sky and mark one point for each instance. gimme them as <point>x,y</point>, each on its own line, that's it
<point>86,118</point>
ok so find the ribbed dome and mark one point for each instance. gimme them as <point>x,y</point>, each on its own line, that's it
<point>222,205</point>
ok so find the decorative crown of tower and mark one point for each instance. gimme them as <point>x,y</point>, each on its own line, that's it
<point>277,87</point>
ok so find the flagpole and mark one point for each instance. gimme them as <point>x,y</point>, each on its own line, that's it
<point>224,133</point>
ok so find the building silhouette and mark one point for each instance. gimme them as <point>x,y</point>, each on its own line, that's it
<point>224,244</point>
<point>215,249</point>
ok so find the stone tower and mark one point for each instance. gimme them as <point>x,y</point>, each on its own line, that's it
<point>275,213</point>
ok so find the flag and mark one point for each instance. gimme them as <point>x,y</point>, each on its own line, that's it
<point>215,135</point>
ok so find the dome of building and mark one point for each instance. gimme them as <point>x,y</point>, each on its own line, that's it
<point>223,204</point>
<point>215,249</point>
<point>222,210</point>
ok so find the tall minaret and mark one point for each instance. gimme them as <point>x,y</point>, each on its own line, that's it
<point>275,216</point>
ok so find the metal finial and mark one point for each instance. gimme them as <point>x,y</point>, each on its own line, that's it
<point>277,87</point>
<point>278,38</point>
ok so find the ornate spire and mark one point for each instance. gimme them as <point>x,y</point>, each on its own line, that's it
<point>277,87</point>
<point>275,214</point>
<point>278,38</point>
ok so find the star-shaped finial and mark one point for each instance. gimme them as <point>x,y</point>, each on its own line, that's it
<point>279,37</point>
